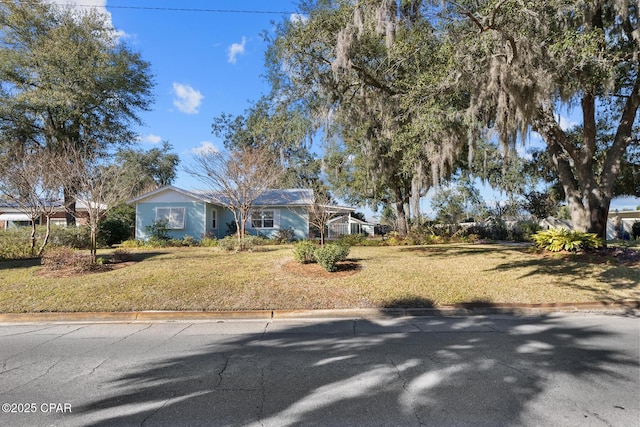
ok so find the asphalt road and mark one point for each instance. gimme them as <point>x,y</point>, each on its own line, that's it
<point>551,370</point>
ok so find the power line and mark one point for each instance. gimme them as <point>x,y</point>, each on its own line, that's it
<point>175,9</point>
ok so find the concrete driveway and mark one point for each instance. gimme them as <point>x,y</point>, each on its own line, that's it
<point>551,370</point>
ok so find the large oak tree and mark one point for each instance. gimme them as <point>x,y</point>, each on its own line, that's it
<point>525,63</point>
<point>67,82</point>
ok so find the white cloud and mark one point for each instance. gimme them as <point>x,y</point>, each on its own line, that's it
<point>298,17</point>
<point>151,139</point>
<point>204,148</point>
<point>566,123</point>
<point>236,49</point>
<point>100,6</point>
<point>187,99</point>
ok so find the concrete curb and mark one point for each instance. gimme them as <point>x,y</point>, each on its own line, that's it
<point>471,309</point>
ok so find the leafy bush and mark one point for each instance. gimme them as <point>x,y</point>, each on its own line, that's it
<point>559,239</point>
<point>73,237</point>
<point>284,235</point>
<point>304,250</point>
<point>158,230</point>
<point>352,239</point>
<point>208,242</point>
<point>133,243</point>
<point>247,243</point>
<point>328,256</point>
<point>635,230</point>
<point>14,244</point>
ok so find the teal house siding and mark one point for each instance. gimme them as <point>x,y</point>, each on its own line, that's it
<point>146,214</point>
<point>294,219</point>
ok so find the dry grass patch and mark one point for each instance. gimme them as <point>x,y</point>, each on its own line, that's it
<point>209,279</point>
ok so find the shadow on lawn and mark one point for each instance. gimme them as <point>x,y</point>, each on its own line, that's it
<point>453,250</point>
<point>574,274</point>
<point>421,371</point>
<point>19,263</point>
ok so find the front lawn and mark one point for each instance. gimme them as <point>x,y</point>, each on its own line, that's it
<point>409,276</point>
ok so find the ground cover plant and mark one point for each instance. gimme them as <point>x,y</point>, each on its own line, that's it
<point>212,279</point>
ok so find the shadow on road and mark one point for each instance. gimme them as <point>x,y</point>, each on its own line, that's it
<point>422,371</point>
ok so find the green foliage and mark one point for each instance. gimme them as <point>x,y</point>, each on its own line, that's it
<point>208,242</point>
<point>304,250</point>
<point>352,239</point>
<point>328,256</point>
<point>284,235</point>
<point>117,226</point>
<point>79,75</point>
<point>147,170</point>
<point>247,243</point>
<point>635,230</point>
<point>158,230</point>
<point>561,239</point>
<point>14,244</point>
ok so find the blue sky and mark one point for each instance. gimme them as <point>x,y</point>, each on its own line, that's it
<point>206,61</point>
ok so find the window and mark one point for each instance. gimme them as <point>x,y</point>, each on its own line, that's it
<point>214,219</point>
<point>262,219</point>
<point>174,217</point>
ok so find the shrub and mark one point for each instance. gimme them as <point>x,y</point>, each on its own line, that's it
<point>121,255</point>
<point>284,235</point>
<point>635,230</point>
<point>328,256</point>
<point>133,243</point>
<point>247,243</point>
<point>112,231</point>
<point>14,244</point>
<point>351,239</point>
<point>158,230</point>
<point>60,258</point>
<point>208,242</point>
<point>72,237</point>
<point>559,239</point>
<point>303,251</point>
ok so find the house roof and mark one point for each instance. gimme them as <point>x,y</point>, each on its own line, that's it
<point>280,197</point>
<point>8,206</point>
<point>350,219</point>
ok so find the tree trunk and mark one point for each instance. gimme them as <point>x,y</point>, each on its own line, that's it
<point>70,208</point>
<point>46,237</point>
<point>588,197</point>
<point>94,243</point>
<point>32,238</point>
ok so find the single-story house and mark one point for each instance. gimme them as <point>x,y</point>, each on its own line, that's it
<point>11,216</point>
<point>200,213</point>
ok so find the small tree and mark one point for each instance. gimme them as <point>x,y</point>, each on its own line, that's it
<point>98,184</point>
<point>29,179</point>
<point>322,210</point>
<point>236,179</point>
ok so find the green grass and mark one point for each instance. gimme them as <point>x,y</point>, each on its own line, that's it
<point>209,279</point>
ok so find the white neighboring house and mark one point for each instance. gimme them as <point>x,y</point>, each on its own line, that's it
<point>624,220</point>
<point>11,216</point>
<point>347,225</point>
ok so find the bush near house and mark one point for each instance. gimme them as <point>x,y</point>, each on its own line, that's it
<point>328,256</point>
<point>561,239</point>
<point>303,252</point>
